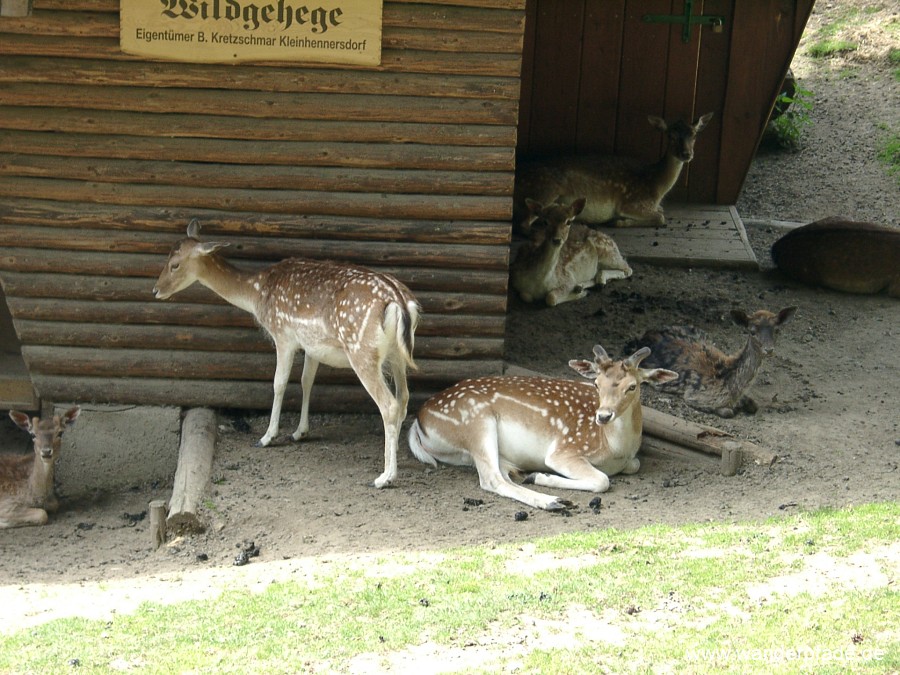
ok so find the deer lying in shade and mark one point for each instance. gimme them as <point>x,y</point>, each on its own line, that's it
<point>26,481</point>
<point>582,432</point>
<point>562,260</point>
<point>621,190</point>
<point>711,380</point>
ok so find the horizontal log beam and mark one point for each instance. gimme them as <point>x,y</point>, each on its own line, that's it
<point>135,289</point>
<point>263,249</point>
<point>174,314</point>
<point>400,58</point>
<point>149,266</point>
<point>281,153</point>
<point>437,207</point>
<point>356,107</point>
<point>168,125</point>
<point>80,215</point>
<point>87,72</point>
<point>272,177</point>
<point>117,336</point>
<point>199,365</point>
<point>233,394</point>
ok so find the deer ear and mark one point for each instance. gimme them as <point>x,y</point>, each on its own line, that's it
<point>658,375</point>
<point>703,121</point>
<point>578,206</point>
<point>71,415</point>
<point>208,247</point>
<point>22,420</point>
<point>533,205</point>
<point>785,315</point>
<point>193,228</point>
<point>584,368</point>
<point>658,123</point>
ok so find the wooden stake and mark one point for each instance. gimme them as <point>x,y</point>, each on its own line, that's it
<point>158,522</point>
<point>195,458</point>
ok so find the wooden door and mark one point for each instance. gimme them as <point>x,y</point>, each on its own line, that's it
<point>594,69</point>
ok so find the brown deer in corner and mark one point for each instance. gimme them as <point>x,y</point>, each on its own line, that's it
<point>711,380</point>
<point>582,432</point>
<point>562,260</point>
<point>344,316</point>
<point>621,190</point>
<point>26,481</point>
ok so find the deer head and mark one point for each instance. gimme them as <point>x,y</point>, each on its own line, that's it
<point>47,433</point>
<point>184,263</point>
<point>618,382</point>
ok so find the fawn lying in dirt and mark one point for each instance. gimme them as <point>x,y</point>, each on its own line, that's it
<point>26,481</point>
<point>711,380</point>
<point>562,260</point>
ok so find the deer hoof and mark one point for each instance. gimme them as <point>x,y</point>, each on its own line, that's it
<point>559,505</point>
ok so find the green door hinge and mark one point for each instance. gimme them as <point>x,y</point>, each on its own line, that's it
<point>688,19</point>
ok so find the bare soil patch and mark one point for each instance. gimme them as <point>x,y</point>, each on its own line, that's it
<point>828,407</point>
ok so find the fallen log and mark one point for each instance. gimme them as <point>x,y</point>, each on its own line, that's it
<point>702,438</point>
<point>193,475</point>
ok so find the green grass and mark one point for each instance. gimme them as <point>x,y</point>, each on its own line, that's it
<point>675,599</point>
<point>830,47</point>
<point>890,155</point>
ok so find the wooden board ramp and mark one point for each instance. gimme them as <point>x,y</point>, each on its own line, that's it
<point>697,236</point>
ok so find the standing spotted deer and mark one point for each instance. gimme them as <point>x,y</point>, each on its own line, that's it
<point>344,316</point>
<point>582,432</point>
<point>562,260</point>
<point>621,190</point>
<point>711,380</point>
<point>26,481</point>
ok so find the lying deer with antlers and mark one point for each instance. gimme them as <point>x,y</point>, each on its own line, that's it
<point>344,316</point>
<point>26,481</point>
<point>563,259</point>
<point>582,432</point>
<point>711,380</point>
<point>620,190</point>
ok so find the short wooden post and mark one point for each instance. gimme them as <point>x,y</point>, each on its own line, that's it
<point>732,457</point>
<point>158,522</point>
<point>195,459</point>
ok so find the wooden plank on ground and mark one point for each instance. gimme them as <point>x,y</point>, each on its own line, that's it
<point>697,236</point>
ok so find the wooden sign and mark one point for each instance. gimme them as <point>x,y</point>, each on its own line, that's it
<point>219,31</point>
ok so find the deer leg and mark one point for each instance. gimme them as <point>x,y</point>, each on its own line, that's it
<point>641,215</point>
<point>310,366</point>
<point>560,295</point>
<point>392,415</point>
<point>608,275</point>
<point>496,480</point>
<point>575,474</point>
<point>23,516</point>
<point>284,360</point>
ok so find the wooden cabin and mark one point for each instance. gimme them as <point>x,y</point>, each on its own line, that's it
<point>406,166</point>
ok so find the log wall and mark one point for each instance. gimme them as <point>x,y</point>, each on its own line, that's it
<point>104,158</point>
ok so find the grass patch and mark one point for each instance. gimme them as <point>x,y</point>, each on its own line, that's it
<point>890,155</point>
<point>830,47</point>
<point>676,599</point>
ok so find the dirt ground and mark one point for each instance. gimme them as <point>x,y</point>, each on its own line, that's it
<point>828,408</point>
